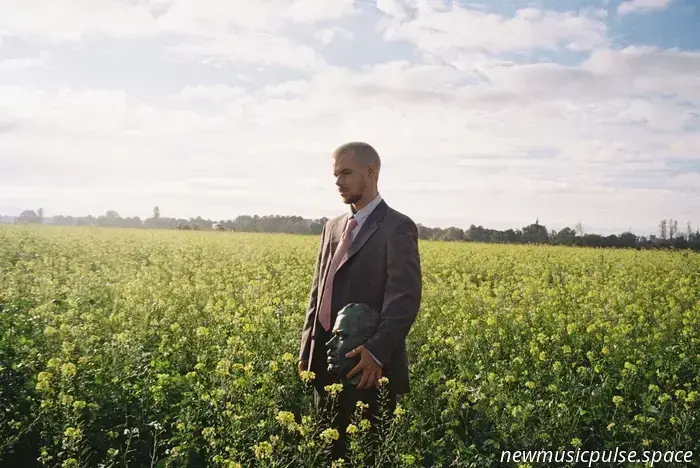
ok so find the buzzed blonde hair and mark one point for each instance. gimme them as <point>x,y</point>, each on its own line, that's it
<point>363,153</point>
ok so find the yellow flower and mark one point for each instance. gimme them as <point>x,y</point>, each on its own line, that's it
<point>329,435</point>
<point>364,424</point>
<point>222,367</point>
<point>351,429</point>
<point>334,389</point>
<point>79,405</point>
<point>287,357</point>
<point>43,381</point>
<point>263,450</point>
<point>66,400</point>
<point>399,412</point>
<point>54,362</point>
<point>285,418</point>
<point>362,405</point>
<point>274,367</point>
<point>307,376</point>
<point>69,370</point>
<point>71,433</point>
<point>339,463</point>
<point>617,399</point>
<point>70,463</point>
<point>383,381</point>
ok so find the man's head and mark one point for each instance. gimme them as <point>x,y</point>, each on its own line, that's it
<point>356,169</point>
<point>354,325</point>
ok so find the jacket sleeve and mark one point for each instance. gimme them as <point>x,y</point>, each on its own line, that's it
<point>311,308</point>
<point>402,296</point>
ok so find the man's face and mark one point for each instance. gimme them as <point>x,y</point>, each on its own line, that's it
<point>351,178</point>
<point>346,337</point>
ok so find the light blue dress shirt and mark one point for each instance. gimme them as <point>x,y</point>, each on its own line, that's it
<point>361,216</point>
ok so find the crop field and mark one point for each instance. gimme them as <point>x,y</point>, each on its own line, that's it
<point>173,348</point>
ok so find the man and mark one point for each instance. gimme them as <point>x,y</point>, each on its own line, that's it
<point>369,256</point>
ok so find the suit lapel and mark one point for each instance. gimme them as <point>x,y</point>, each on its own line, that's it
<point>336,232</point>
<point>369,227</point>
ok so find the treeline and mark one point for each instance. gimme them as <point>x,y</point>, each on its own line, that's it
<point>669,234</point>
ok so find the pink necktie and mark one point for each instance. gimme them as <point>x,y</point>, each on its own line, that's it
<point>338,257</point>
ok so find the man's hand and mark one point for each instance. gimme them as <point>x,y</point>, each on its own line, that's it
<point>302,366</point>
<point>371,371</point>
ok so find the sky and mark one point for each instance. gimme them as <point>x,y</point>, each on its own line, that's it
<point>493,113</point>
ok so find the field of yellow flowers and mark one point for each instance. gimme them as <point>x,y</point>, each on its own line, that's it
<point>174,348</point>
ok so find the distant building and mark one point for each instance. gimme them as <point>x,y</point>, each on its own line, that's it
<point>218,227</point>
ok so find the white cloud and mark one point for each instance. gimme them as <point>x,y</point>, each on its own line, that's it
<point>20,64</point>
<point>217,93</point>
<point>642,6</point>
<point>253,48</point>
<point>71,20</point>
<point>396,9</point>
<point>650,70</point>
<point>444,32</point>
<point>314,11</point>
<point>217,30</point>
<point>326,36</point>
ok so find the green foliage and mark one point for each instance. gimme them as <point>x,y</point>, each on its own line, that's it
<point>178,348</point>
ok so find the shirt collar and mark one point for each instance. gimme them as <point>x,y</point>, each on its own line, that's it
<point>363,213</point>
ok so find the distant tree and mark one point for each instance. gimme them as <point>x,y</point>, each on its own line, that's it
<point>566,236</point>
<point>453,234</point>
<point>579,229</point>
<point>40,214</point>
<point>627,239</point>
<point>535,234</point>
<point>611,241</point>
<point>593,240</point>
<point>672,228</point>
<point>512,236</point>
<point>476,234</point>
<point>156,213</point>
<point>497,237</point>
<point>28,217</point>
<point>662,229</point>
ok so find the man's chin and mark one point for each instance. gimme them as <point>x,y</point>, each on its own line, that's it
<point>349,199</point>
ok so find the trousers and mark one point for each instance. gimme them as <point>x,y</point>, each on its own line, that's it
<point>340,410</point>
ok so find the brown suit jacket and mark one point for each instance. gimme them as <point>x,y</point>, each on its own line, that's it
<point>382,270</point>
